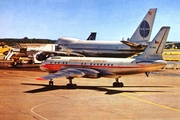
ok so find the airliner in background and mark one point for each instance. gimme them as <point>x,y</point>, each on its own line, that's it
<point>76,47</point>
<point>44,54</point>
<point>136,44</point>
<point>96,67</point>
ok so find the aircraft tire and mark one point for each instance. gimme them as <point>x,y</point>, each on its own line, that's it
<point>51,83</point>
<point>118,84</point>
<point>121,84</point>
<point>71,86</point>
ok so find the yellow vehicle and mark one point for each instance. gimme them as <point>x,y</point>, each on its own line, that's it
<point>171,55</point>
<point>4,49</point>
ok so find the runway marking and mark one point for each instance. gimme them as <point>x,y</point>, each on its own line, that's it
<point>149,102</point>
<point>32,110</point>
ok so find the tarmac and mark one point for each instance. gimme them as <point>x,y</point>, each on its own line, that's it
<point>142,98</point>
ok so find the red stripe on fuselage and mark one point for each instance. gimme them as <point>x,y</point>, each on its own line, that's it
<point>52,67</point>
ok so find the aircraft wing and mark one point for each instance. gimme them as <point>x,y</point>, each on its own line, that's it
<point>134,45</point>
<point>77,73</point>
<point>70,72</point>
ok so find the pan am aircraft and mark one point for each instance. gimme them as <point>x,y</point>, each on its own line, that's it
<point>75,47</point>
<point>96,67</point>
<point>136,44</point>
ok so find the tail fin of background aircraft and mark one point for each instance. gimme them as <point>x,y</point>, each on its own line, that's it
<point>92,36</point>
<point>155,48</point>
<point>143,32</point>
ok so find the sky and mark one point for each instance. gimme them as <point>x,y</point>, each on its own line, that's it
<point>111,19</point>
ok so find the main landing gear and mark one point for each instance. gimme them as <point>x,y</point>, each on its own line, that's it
<point>51,82</point>
<point>117,83</point>
<point>70,85</point>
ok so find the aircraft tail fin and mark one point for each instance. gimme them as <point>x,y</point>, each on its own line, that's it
<point>143,32</point>
<point>92,36</point>
<point>155,48</point>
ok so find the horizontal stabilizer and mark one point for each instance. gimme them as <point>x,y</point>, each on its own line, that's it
<point>134,45</point>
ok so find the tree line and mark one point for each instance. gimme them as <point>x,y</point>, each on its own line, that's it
<point>14,41</point>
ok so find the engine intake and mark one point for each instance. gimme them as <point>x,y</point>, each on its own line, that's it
<point>42,56</point>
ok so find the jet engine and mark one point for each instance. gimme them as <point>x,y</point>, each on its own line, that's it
<point>90,73</point>
<point>40,56</point>
<point>43,55</point>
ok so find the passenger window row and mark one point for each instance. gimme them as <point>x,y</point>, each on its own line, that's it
<point>97,64</point>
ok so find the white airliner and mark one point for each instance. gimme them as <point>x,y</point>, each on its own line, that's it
<point>137,43</point>
<point>44,54</point>
<point>96,67</point>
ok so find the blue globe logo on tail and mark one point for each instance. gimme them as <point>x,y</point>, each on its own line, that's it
<point>144,29</point>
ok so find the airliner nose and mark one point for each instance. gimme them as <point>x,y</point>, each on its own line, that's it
<point>43,66</point>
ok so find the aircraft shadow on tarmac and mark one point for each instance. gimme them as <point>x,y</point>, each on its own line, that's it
<point>96,88</point>
<point>165,74</point>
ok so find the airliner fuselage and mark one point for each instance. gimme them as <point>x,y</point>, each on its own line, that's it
<point>115,66</point>
<point>98,48</point>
